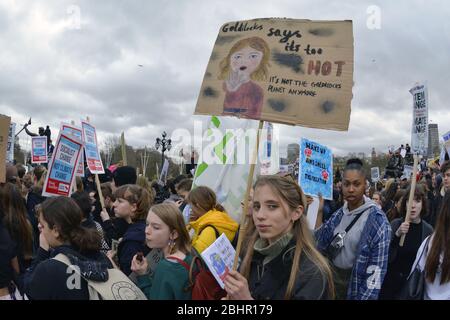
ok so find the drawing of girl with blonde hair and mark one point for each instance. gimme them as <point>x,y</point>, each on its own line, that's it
<point>246,62</point>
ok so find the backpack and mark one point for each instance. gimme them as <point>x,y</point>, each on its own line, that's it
<point>118,286</point>
<point>202,282</point>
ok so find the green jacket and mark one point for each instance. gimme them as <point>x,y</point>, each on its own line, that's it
<point>169,282</point>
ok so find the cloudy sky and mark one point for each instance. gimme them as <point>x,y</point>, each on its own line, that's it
<point>63,60</point>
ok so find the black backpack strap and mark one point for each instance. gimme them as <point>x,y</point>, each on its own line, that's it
<point>215,230</point>
<point>354,221</point>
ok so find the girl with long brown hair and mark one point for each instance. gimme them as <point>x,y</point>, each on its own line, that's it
<point>281,261</point>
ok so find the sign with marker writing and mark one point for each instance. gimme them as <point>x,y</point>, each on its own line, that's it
<point>297,72</point>
<point>419,130</point>
<point>39,149</point>
<point>316,169</point>
<point>62,166</point>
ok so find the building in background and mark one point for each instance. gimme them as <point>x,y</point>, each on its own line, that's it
<point>433,140</point>
<point>293,152</point>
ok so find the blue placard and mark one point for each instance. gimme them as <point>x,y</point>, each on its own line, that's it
<point>316,169</point>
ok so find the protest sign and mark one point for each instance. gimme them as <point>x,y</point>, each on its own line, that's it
<point>219,258</point>
<point>11,139</point>
<point>446,138</point>
<point>403,152</point>
<point>62,166</point>
<point>316,169</point>
<point>4,133</point>
<point>164,172</point>
<point>39,149</point>
<point>375,174</point>
<point>76,132</point>
<point>297,72</point>
<point>313,213</point>
<point>94,162</point>
<point>419,131</point>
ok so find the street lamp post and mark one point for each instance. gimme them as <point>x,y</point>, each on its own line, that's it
<point>165,144</point>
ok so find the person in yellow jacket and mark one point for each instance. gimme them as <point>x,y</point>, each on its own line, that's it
<point>207,217</point>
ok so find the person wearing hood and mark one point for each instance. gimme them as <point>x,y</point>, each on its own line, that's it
<point>132,205</point>
<point>356,239</point>
<point>62,233</point>
<point>208,219</point>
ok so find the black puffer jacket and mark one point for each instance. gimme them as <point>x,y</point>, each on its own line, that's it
<point>269,282</point>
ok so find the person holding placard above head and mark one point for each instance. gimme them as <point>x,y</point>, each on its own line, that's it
<point>356,239</point>
<point>281,260</point>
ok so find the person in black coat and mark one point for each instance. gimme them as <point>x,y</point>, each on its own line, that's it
<point>132,205</point>
<point>281,260</point>
<point>402,258</point>
<point>61,232</point>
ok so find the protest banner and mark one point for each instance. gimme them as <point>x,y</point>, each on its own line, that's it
<point>316,169</point>
<point>219,258</point>
<point>419,131</point>
<point>75,131</point>
<point>11,139</point>
<point>39,149</point>
<point>446,138</point>
<point>375,174</point>
<point>297,72</point>
<point>62,166</point>
<point>4,133</point>
<point>94,162</point>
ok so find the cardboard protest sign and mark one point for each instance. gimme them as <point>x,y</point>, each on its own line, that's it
<point>39,149</point>
<point>76,132</point>
<point>446,138</point>
<point>219,257</point>
<point>375,174</point>
<point>11,139</point>
<point>316,169</point>
<point>4,133</point>
<point>93,159</point>
<point>419,131</point>
<point>62,166</point>
<point>297,72</point>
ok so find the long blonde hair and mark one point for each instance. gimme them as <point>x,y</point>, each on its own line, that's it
<point>256,43</point>
<point>290,192</point>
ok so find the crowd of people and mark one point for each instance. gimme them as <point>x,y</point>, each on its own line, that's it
<point>353,252</point>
